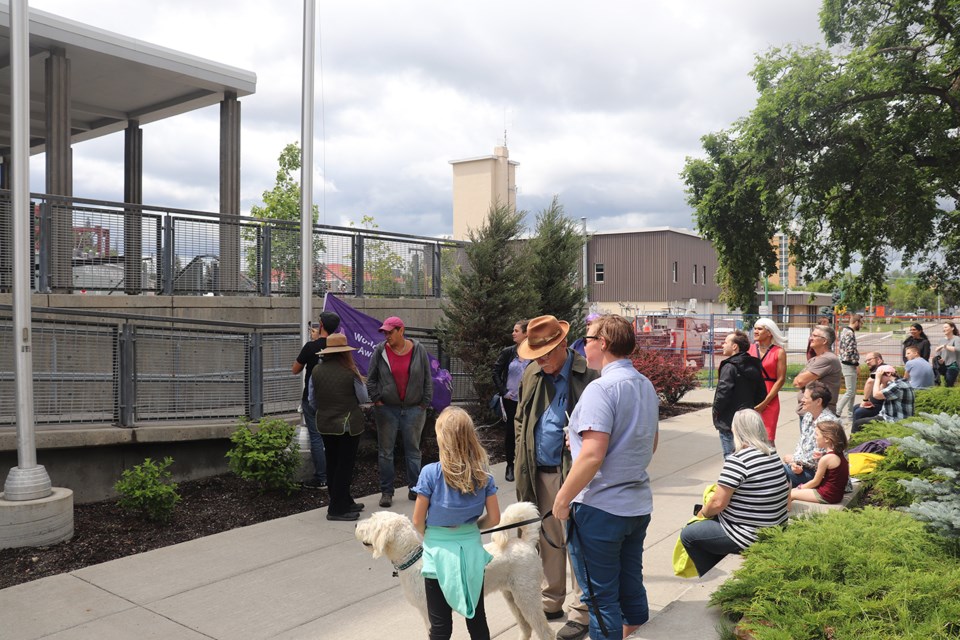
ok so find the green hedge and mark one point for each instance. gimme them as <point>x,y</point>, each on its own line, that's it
<point>938,400</point>
<point>882,485</point>
<point>874,573</point>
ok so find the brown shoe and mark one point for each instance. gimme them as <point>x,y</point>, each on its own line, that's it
<point>573,631</point>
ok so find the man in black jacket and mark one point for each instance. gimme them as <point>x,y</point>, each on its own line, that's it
<point>740,386</point>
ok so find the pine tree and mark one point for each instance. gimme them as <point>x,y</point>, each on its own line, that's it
<point>557,250</point>
<point>488,296</point>
<point>937,442</point>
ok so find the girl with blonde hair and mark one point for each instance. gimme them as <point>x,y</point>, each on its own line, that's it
<point>452,496</point>
<point>768,347</point>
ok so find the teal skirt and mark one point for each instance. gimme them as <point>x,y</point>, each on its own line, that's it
<point>455,557</point>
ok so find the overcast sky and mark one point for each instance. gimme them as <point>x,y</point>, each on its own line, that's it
<point>601,101</point>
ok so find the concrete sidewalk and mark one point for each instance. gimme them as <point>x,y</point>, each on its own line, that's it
<point>302,577</point>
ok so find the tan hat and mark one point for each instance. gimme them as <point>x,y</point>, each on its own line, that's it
<point>544,333</point>
<point>336,342</point>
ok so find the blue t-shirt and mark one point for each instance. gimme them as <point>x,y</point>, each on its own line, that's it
<point>449,507</point>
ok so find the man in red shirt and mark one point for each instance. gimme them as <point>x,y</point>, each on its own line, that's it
<point>401,389</point>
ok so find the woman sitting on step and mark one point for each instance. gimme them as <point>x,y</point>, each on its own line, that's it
<point>752,493</point>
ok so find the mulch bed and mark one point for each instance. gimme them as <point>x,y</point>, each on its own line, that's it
<point>103,531</point>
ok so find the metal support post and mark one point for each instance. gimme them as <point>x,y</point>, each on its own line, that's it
<point>266,259</point>
<point>437,264</point>
<point>358,265</point>
<point>128,375</point>
<point>167,267</point>
<point>254,376</point>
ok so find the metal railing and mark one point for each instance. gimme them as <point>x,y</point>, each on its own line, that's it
<point>95,246</point>
<point>128,370</point>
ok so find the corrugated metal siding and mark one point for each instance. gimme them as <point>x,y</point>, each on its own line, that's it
<point>638,266</point>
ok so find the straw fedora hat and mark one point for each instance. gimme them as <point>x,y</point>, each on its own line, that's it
<point>336,342</point>
<point>544,333</point>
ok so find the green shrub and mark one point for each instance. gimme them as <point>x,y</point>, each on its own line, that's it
<point>938,400</point>
<point>879,429</point>
<point>874,573</point>
<point>882,486</point>
<point>265,456</point>
<point>147,490</point>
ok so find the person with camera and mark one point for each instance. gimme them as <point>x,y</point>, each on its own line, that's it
<point>752,493</point>
<point>897,396</point>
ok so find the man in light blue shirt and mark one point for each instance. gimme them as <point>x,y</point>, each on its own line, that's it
<point>606,496</point>
<point>917,371</point>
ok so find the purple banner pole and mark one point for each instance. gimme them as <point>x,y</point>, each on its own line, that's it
<point>363,333</point>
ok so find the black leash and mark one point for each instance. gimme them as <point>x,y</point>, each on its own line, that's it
<point>543,532</point>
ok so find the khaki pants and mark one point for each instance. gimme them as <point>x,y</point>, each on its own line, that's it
<point>555,561</point>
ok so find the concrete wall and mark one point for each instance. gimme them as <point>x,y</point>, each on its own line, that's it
<point>416,312</point>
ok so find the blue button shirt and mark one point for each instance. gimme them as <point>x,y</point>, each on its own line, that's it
<point>548,433</point>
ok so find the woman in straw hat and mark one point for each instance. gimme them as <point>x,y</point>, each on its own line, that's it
<point>339,420</point>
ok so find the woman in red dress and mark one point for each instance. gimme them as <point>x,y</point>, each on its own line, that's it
<point>768,347</point>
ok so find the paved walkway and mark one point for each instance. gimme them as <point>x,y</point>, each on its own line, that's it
<point>304,578</point>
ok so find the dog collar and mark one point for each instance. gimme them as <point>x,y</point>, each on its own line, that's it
<point>410,560</point>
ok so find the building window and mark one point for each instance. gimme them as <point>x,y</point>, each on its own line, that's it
<point>598,273</point>
<point>674,271</point>
<point>704,282</point>
<point>695,274</point>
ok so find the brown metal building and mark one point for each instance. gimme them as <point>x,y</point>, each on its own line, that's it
<point>653,270</point>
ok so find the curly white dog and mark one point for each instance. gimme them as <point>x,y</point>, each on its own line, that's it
<point>515,569</point>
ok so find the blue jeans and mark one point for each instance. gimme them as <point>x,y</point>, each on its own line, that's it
<point>799,478</point>
<point>316,442</point>
<point>707,544</point>
<point>726,442</point>
<point>409,422</point>
<point>611,548</point>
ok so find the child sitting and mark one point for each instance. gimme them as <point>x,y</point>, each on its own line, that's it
<point>833,471</point>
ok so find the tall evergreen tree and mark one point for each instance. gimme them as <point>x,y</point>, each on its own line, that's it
<point>488,295</point>
<point>557,250</point>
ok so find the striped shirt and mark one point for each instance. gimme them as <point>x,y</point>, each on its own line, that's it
<point>759,499</point>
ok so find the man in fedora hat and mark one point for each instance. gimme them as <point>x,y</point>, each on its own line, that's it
<point>550,388</point>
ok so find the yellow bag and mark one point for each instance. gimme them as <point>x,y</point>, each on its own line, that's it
<point>863,462</point>
<point>682,564</point>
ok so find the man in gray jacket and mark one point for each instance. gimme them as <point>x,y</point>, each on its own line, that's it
<point>400,389</point>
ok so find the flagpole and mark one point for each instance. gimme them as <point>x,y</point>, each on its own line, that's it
<point>306,171</point>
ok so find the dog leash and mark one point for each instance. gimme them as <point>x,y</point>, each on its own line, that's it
<point>543,532</point>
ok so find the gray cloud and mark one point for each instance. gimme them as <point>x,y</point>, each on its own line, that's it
<point>602,102</point>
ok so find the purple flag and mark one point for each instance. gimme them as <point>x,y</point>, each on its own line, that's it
<point>363,332</point>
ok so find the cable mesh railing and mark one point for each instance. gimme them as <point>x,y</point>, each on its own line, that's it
<point>92,246</point>
<point>123,369</point>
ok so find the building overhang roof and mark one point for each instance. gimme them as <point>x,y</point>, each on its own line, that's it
<point>113,79</point>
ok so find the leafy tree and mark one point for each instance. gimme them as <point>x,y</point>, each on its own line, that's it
<point>851,151</point>
<point>557,250</point>
<point>281,211</point>
<point>488,295</point>
<point>382,265</point>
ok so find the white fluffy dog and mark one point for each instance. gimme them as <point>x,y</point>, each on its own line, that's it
<point>515,569</point>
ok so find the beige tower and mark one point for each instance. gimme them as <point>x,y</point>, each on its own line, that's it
<point>479,183</point>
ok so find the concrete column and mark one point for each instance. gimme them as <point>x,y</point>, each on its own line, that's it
<point>59,173</point>
<point>132,219</point>
<point>229,192</point>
